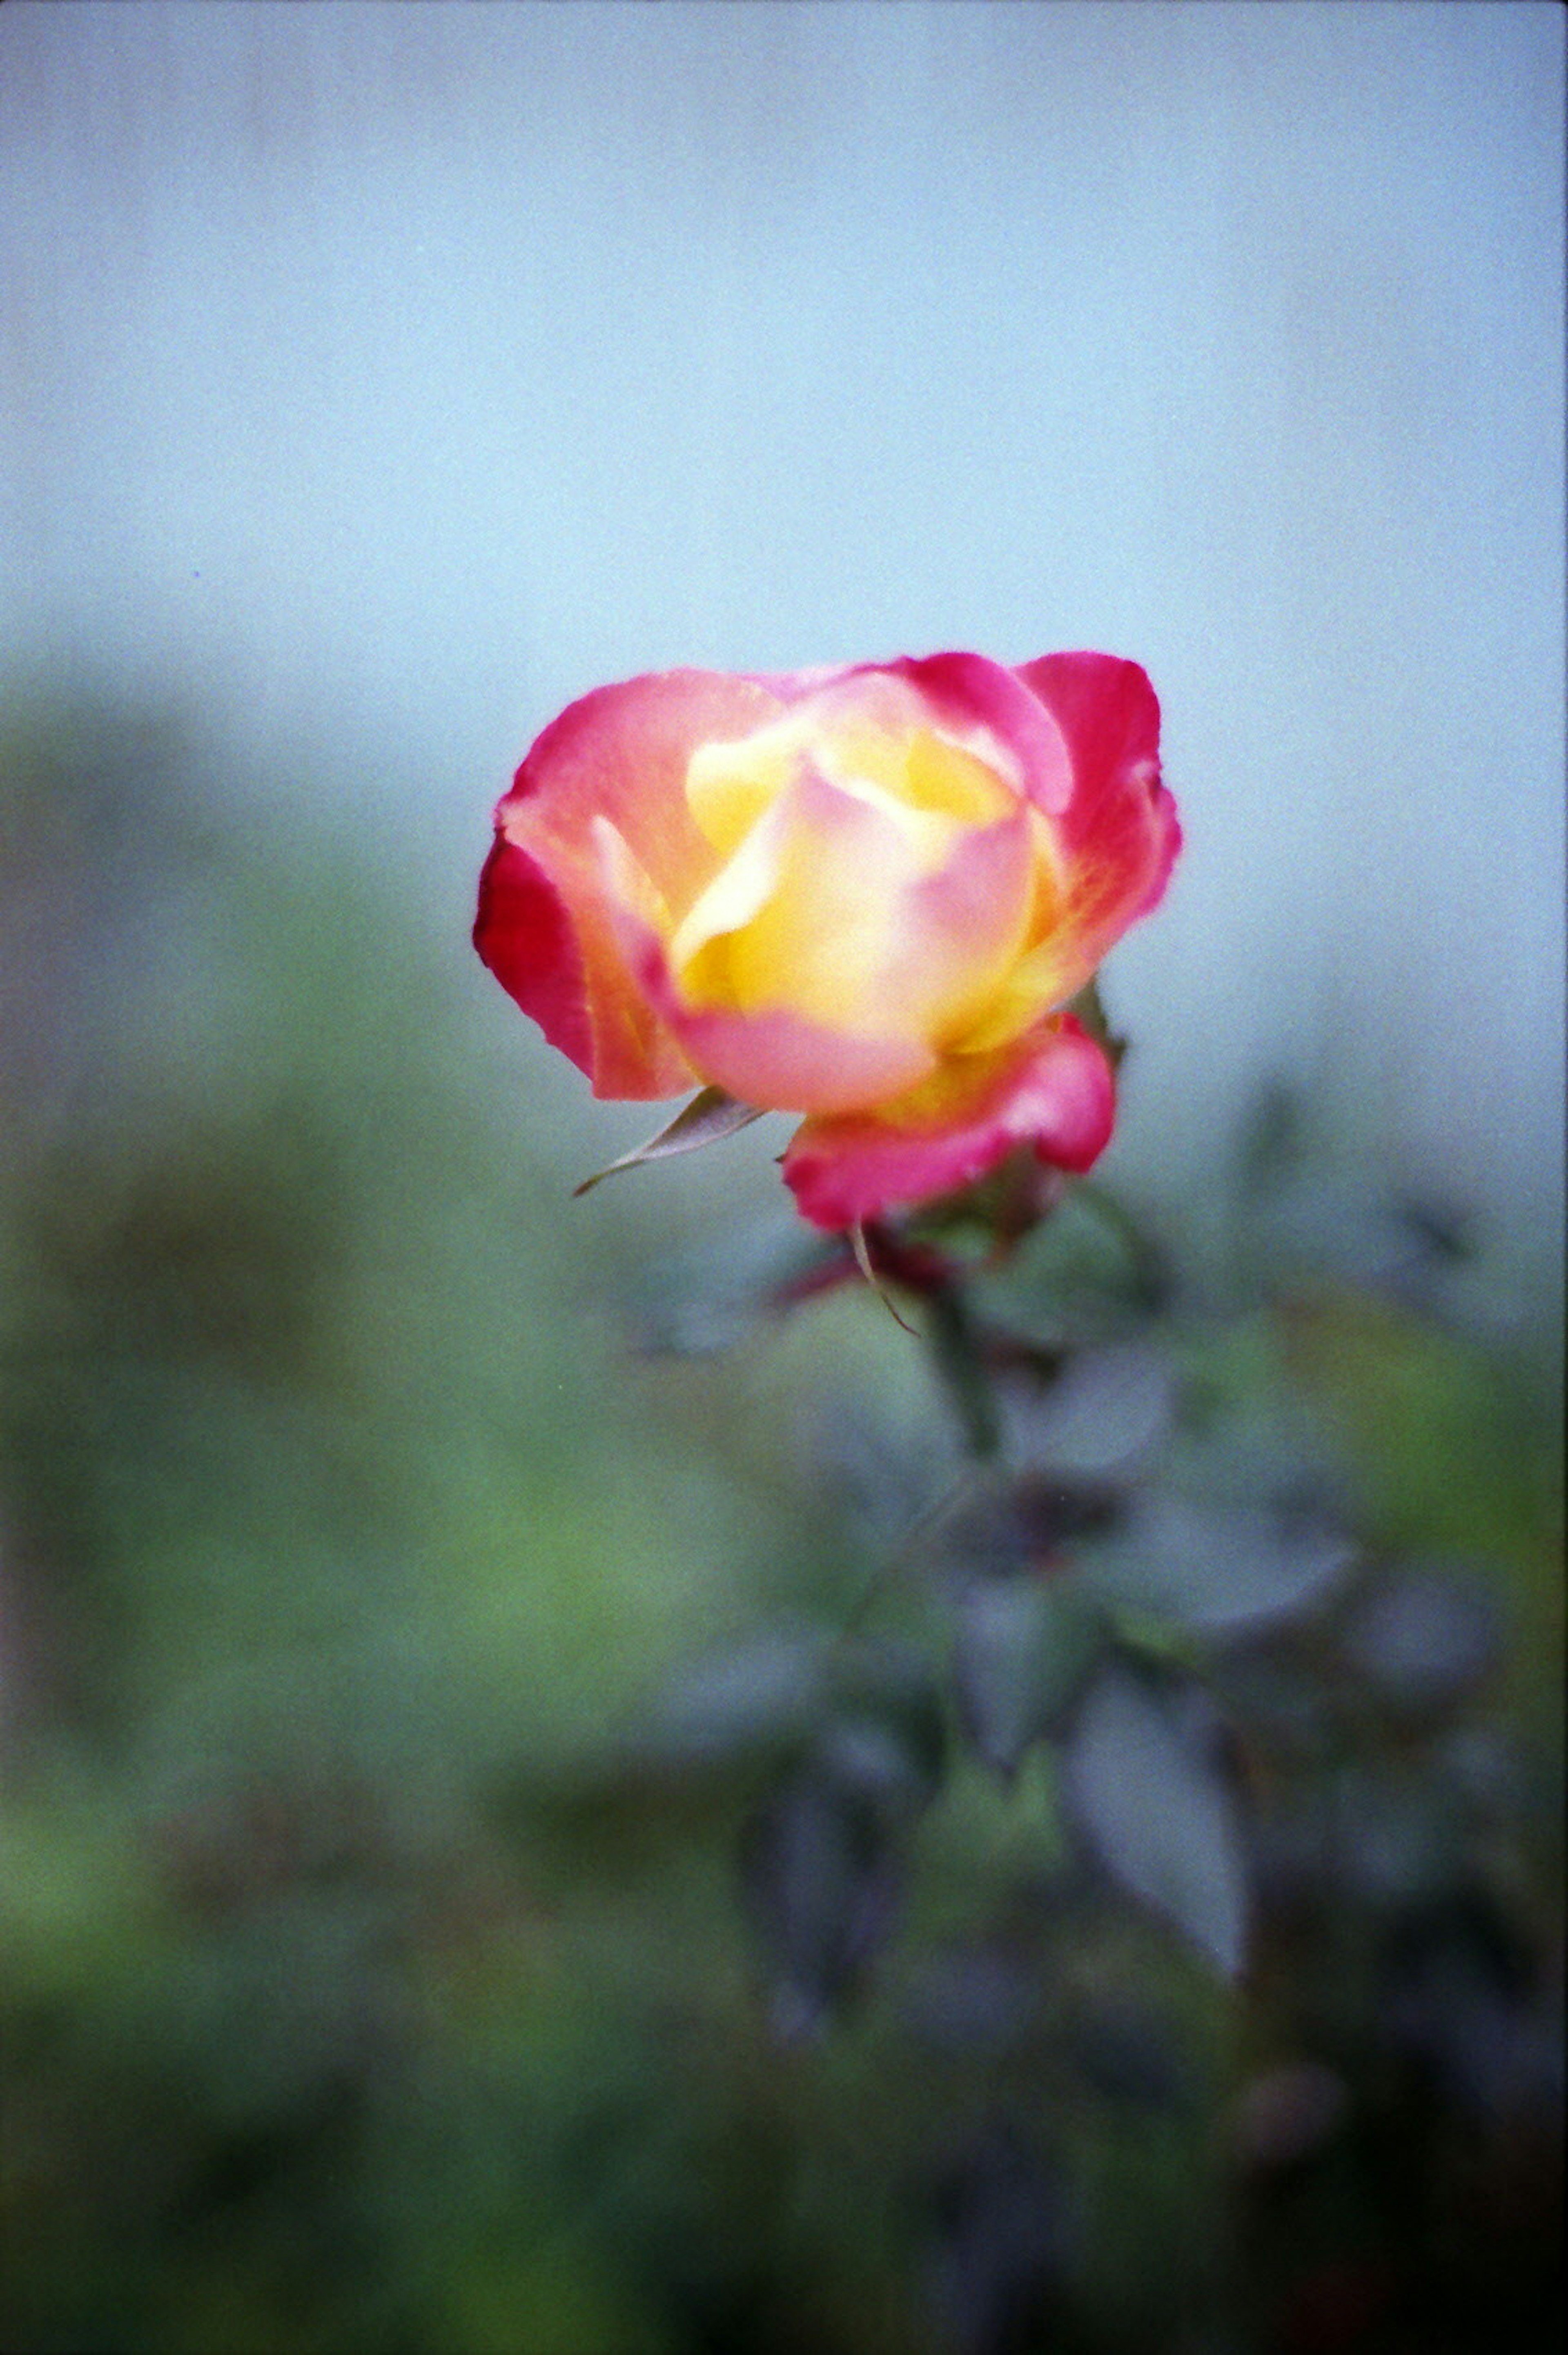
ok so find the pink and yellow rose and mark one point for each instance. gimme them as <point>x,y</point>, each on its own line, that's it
<point>865,895</point>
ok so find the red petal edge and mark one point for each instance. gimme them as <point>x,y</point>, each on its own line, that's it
<point>1120,815</point>
<point>524,935</point>
<point>1052,1088</point>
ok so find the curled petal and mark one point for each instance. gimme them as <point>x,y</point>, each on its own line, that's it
<point>975,697</point>
<point>1119,834</point>
<point>1108,714</point>
<point>556,951</point>
<point>621,754</point>
<point>1052,1089</point>
<point>545,925</point>
<point>523,934</point>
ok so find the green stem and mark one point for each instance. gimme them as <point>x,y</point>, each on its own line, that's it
<point>960,1361</point>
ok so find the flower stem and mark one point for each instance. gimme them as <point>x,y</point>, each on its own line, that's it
<point>960,1360</point>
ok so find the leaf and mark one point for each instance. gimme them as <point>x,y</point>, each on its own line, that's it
<point>1217,1567</point>
<point>1090,1008</point>
<point>710,1117</point>
<point>1024,1648</point>
<point>1105,1412</point>
<point>819,1880</point>
<point>1128,2055</point>
<point>887,1693</point>
<point>1425,1638</point>
<point>1158,1816</point>
<point>974,1998</point>
<point>1002,2237</point>
<point>1018,1527</point>
<point>822,1858</point>
<point>895,1768</point>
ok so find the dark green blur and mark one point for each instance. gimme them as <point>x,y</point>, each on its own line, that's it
<point>402,1606</point>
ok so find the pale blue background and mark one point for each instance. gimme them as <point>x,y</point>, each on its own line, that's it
<point>379,377</point>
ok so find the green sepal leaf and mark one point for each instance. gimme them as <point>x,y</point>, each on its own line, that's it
<point>709,1117</point>
<point>1089,1007</point>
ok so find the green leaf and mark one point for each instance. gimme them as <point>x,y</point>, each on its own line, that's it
<point>1217,1567</point>
<point>820,1877</point>
<point>1024,1646</point>
<point>709,1117</point>
<point>1157,1813</point>
<point>1089,1006</point>
<point>1106,1410</point>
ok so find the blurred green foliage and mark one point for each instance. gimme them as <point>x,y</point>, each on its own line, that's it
<point>392,1657</point>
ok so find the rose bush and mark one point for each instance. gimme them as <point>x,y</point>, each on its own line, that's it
<point>866,895</point>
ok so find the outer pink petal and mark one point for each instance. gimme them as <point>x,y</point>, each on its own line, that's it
<point>524,934</point>
<point>565,968</point>
<point>546,927</point>
<point>1052,1088</point>
<point>1118,833</point>
<point>622,752</point>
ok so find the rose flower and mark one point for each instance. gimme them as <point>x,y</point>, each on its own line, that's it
<point>865,895</point>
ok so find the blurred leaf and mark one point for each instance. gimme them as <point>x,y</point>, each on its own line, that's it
<point>1090,1008</point>
<point>975,1998</point>
<point>888,1479</point>
<point>706,1301</point>
<point>1461,1992</point>
<point>1459,1451</point>
<point>1158,1815</point>
<point>1106,1412</point>
<point>76,1907</point>
<point>558,2298</point>
<point>819,1881</point>
<point>1024,1647</point>
<point>821,1861</point>
<point>1424,1639</point>
<point>1128,2054</point>
<point>1286,2113</point>
<point>710,1117</point>
<point>888,1736</point>
<point>1220,1568</point>
<point>958,1354</point>
<point>1001,2242</point>
<point>1439,1230</point>
<point>1025,1522</point>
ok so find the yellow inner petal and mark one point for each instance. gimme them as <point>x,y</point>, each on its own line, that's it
<point>803,921</point>
<point>730,787</point>
<point>810,912</point>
